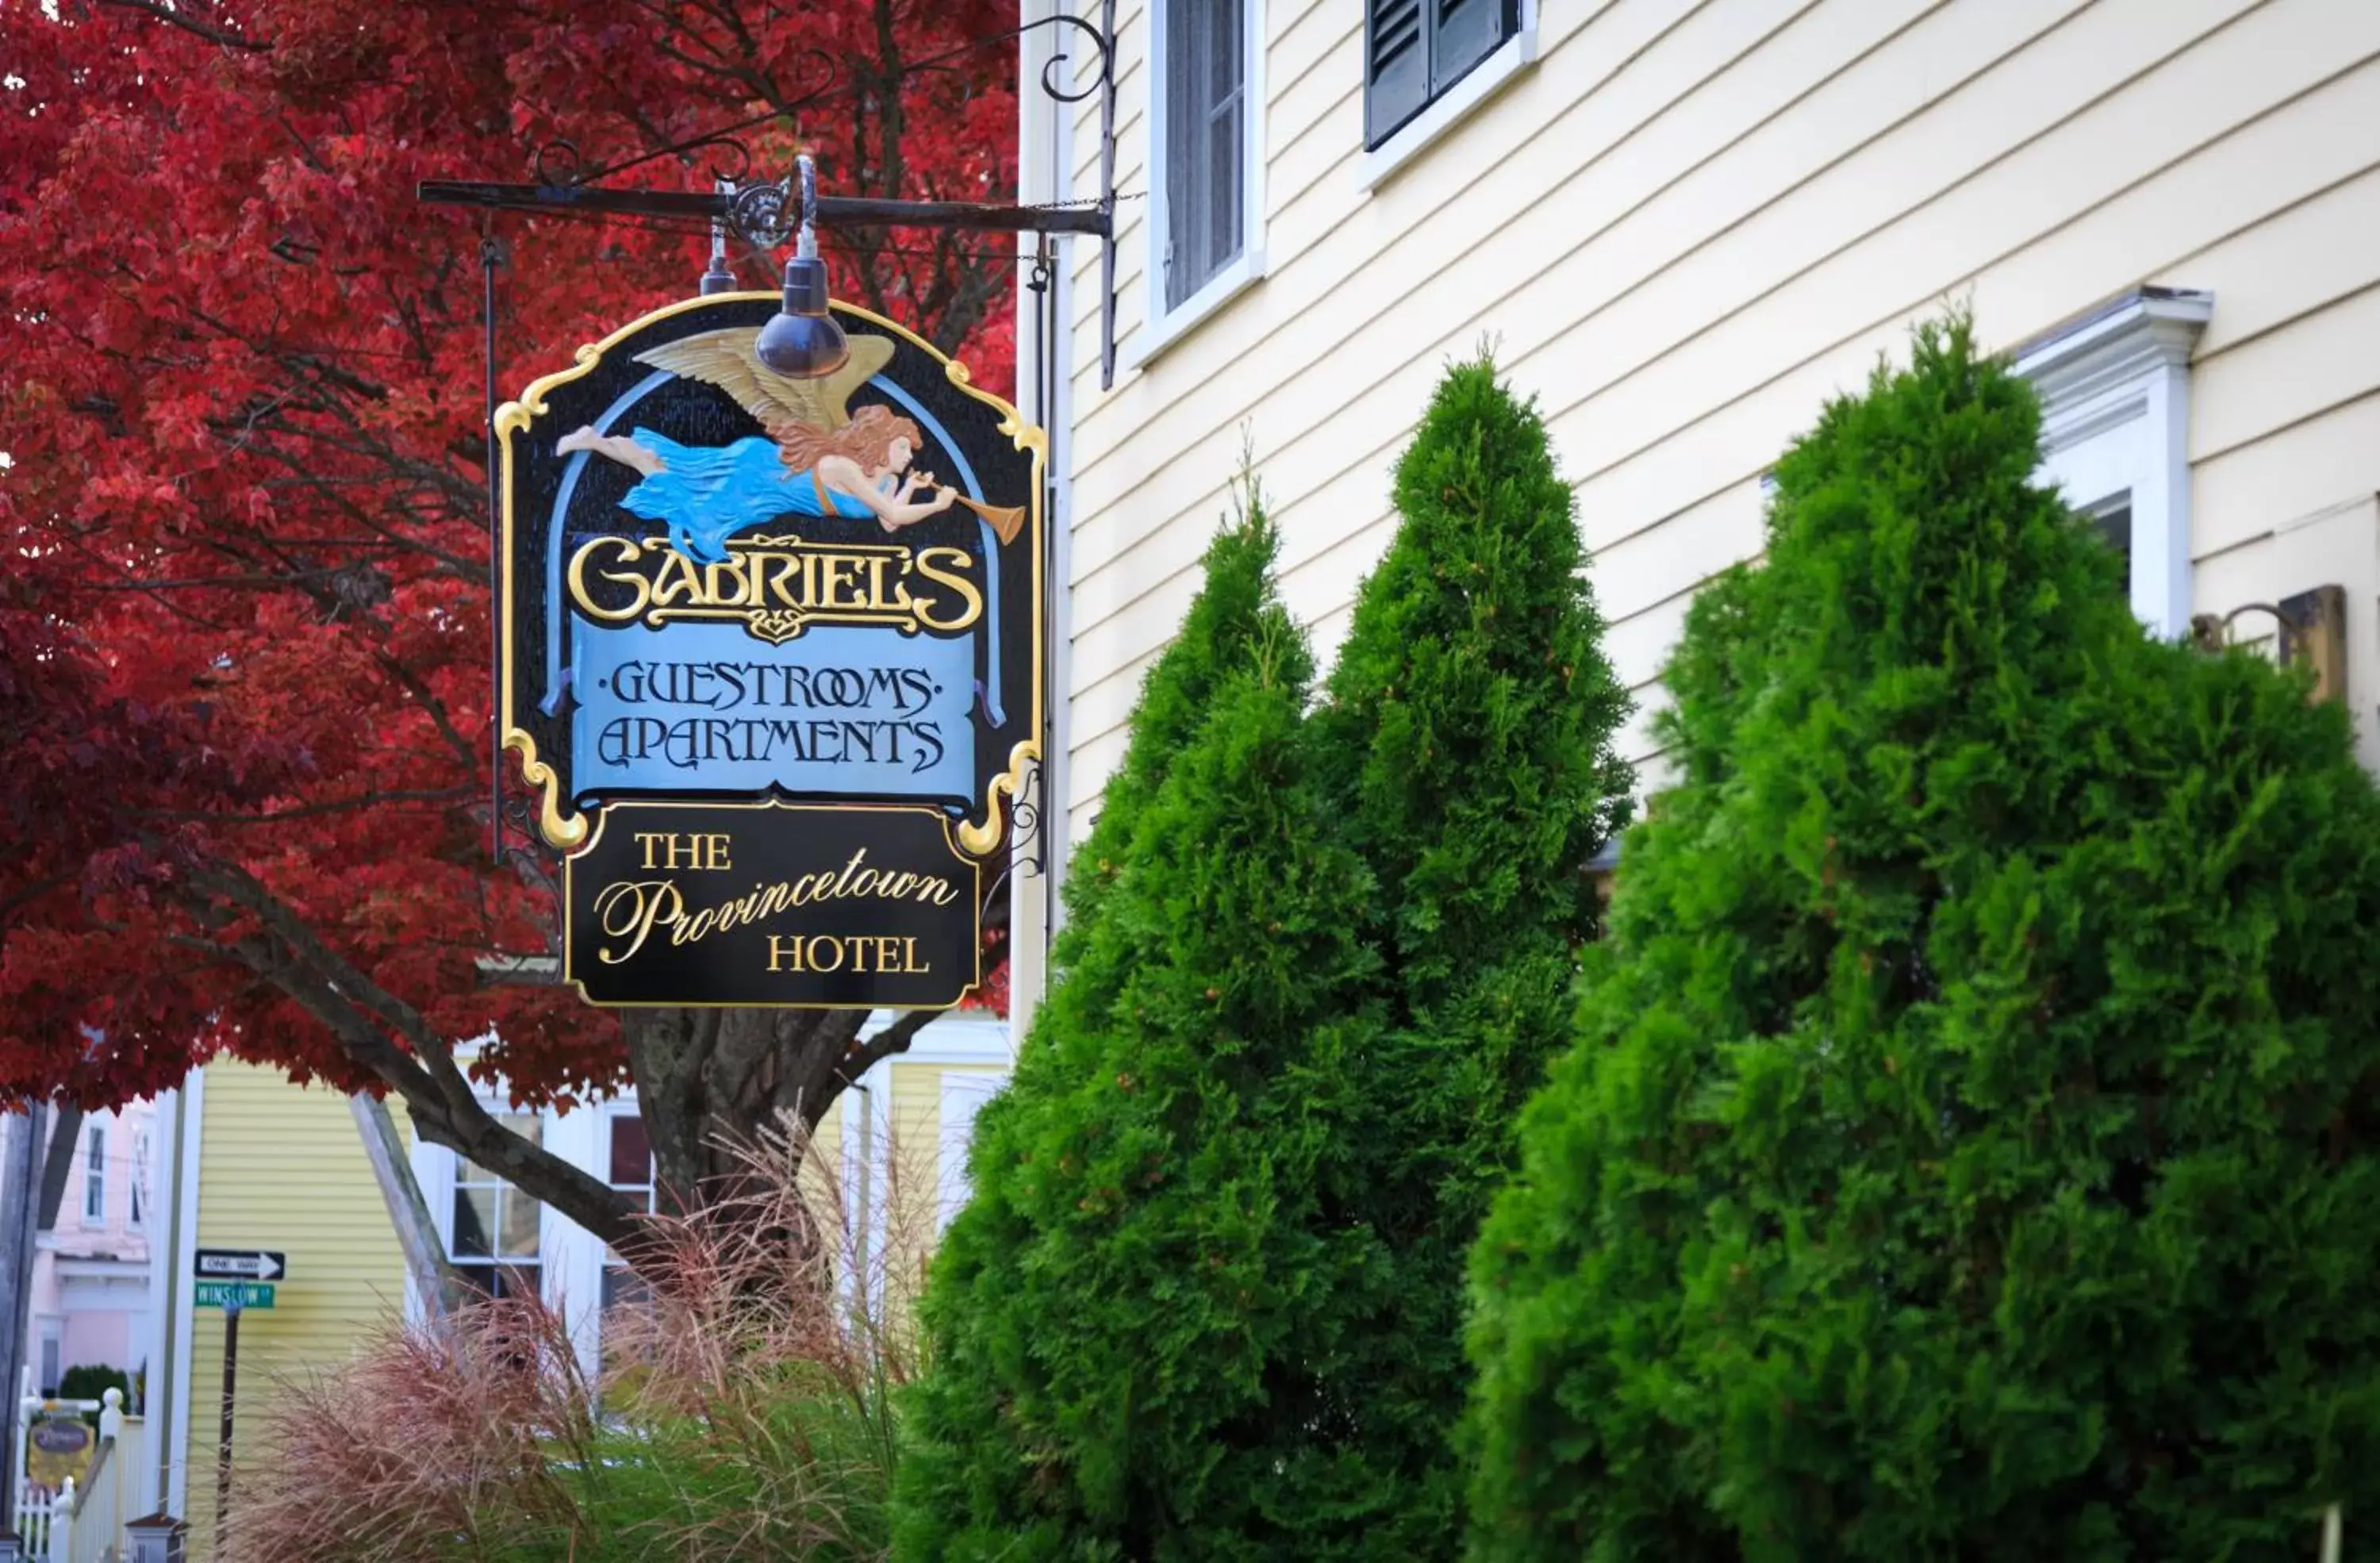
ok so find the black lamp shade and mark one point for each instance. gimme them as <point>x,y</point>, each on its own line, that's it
<point>801,341</point>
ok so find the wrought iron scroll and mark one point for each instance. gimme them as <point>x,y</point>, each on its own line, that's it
<point>762,212</point>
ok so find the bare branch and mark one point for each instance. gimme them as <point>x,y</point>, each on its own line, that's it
<point>190,24</point>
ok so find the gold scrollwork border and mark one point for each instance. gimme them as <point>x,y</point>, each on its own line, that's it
<point>567,829</point>
<point>950,837</point>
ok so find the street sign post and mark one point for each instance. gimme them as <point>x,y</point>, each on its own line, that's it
<point>240,1264</point>
<point>231,1294</point>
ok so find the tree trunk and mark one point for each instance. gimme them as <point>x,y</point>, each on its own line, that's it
<point>711,1082</point>
<point>417,1231</point>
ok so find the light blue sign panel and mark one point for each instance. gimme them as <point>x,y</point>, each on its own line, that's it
<point>839,709</point>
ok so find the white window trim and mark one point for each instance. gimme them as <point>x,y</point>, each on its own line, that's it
<point>1164,327</point>
<point>2114,431</point>
<point>1458,103</point>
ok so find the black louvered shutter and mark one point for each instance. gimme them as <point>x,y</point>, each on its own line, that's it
<point>1415,50</point>
<point>1468,31</point>
<point>1205,71</point>
<point>1396,66</point>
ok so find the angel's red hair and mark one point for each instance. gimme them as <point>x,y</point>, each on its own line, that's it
<point>866,439</point>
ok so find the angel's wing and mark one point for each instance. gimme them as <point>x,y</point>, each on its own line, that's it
<point>725,359</point>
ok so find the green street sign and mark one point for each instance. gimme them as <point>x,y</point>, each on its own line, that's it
<point>250,1294</point>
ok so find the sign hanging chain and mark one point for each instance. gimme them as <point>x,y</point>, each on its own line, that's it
<point>490,258</point>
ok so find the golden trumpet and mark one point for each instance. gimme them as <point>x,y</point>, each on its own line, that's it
<point>1006,520</point>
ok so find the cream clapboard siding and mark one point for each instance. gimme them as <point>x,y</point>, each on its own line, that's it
<point>1686,226</point>
<point>283,1168</point>
<point>914,1159</point>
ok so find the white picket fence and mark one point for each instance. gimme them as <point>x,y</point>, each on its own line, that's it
<point>80,1521</point>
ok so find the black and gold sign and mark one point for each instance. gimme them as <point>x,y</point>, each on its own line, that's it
<point>789,904</point>
<point>724,586</point>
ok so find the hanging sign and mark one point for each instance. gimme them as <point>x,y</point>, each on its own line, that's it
<point>722,585</point>
<point>782,904</point>
<point>59,1447</point>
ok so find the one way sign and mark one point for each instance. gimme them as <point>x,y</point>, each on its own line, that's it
<point>241,1264</point>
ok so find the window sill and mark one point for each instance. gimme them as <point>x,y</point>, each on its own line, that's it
<point>1488,77</point>
<point>1164,330</point>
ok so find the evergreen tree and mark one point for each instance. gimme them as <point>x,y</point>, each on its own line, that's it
<point>1969,1149</point>
<point>1469,739</point>
<point>1122,1323</point>
<point>1219,638</point>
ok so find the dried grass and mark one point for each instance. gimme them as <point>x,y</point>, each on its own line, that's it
<point>745,1412</point>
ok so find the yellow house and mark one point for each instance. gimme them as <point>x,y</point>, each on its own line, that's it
<point>1683,224</point>
<point>247,1161</point>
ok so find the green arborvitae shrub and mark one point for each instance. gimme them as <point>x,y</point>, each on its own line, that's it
<point>1123,1325</point>
<point>1969,1152</point>
<point>1218,639</point>
<point>1468,734</point>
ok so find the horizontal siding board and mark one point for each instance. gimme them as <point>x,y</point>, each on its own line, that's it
<point>1690,233</point>
<point>2305,140</point>
<point>2317,363</point>
<point>1587,241</point>
<point>1292,464</point>
<point>2314,252</point>
<point>2245,493</point>
<point>2053,181</point>
<point>1302,315</point>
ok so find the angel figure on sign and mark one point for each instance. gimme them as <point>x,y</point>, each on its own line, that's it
<point>816,459</point>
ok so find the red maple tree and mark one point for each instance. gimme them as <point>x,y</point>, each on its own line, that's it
<point>245,760</point>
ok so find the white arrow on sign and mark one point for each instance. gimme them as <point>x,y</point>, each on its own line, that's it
<point>254,1266</point>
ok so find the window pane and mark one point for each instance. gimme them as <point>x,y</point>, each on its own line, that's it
<point>527,1125</point>
<point>1184,207</point>
<point>632,1153</point>
<point>623,1286</point>
<point>2117,527</point>
<point>1204,67</point>
<point>499,1280</point>
<point>520,1214</point>
<point>1224,53</point>
<point>1223,231</point>
<point>475,1221</point>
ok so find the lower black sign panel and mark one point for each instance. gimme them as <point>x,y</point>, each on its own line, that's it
<point>786,905</point>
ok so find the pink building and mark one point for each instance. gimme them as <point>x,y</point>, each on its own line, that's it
<point>90,1294</point>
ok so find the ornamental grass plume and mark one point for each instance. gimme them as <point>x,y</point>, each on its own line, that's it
<point>743,1412</point>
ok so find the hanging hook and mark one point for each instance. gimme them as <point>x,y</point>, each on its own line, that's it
<point>720,277</point>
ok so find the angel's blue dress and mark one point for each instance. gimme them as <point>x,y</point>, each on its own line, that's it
<point>707,493</point>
